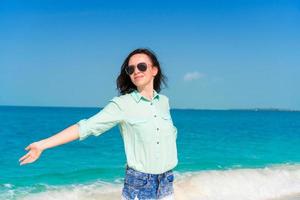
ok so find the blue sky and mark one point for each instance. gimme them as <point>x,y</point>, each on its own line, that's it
<point>216,54</point>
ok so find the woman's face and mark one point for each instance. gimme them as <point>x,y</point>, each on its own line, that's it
<point>139,78</point>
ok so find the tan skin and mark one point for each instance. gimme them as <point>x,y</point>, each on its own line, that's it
<point>144,85</point>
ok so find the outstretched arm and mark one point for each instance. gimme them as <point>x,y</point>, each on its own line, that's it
<point>108,117</point>
<point>35,149</point>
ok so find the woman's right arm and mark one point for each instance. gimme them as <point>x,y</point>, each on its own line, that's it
<point>35,149</point>
<point>108,117</point>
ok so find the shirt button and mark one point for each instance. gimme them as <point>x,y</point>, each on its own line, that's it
<point>154,115</point>
<point>157,128</point>
<point>151,103</point>
<point>157,142</point>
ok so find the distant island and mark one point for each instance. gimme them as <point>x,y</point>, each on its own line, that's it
<point>265,109</point>
<point>242,109</point>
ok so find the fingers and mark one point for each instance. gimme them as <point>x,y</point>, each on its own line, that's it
<point>24,157</point>
<point>28,147</point>
<point>29,159</point>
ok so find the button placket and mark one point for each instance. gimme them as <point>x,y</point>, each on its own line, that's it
<point>156,124</point>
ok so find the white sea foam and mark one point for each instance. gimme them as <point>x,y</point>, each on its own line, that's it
<point>270,183</point>
<point>282,182</point>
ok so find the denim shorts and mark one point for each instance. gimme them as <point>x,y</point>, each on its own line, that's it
<point>144,186</point>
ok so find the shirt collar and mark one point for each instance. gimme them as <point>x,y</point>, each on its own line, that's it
<point>137,96</point>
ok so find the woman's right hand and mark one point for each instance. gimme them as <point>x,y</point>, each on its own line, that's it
<point>35,150</point>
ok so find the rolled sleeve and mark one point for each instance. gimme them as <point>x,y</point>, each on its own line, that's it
<point>104,120</point>
<point>83,127</point>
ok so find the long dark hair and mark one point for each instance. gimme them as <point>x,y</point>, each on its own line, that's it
<point>124,83</point>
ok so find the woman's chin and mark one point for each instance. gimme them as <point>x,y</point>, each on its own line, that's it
<point>139,84</point>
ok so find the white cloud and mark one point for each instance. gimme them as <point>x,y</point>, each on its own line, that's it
<point>190,76</point>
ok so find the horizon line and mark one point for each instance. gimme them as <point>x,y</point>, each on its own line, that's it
<point>221,109</point>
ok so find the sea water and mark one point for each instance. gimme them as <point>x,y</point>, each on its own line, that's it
<point>223,155</point>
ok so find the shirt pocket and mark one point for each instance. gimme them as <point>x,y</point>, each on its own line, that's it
<point>167,124</point>
<point>141,128</point>
<point>136,121</point>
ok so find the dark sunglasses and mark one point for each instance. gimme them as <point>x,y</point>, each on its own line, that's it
<point>130,69</point>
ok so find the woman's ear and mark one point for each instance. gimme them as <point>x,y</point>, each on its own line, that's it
<point>154,70</point>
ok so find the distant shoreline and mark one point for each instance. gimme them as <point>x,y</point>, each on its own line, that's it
<point>203,109</point>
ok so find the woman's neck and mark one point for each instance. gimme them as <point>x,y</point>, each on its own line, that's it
<point>146,91</point>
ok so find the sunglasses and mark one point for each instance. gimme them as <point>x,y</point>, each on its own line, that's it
<point>141,67</point>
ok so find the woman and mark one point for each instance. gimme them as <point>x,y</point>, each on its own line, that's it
<point>146,126</point>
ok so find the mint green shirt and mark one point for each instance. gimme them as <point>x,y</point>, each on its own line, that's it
<point>146,127</point>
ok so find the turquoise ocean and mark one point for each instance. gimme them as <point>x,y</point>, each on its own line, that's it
<point>223,155</point>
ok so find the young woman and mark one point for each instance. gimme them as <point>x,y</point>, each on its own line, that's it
<point>146,126</point>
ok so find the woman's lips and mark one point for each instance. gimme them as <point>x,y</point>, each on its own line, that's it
<point>137,77</point>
